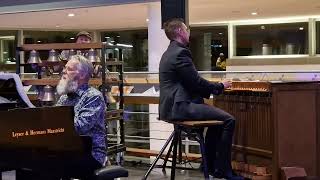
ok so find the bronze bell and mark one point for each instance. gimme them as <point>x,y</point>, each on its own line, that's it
<point>53,56</point>
<point>92,56</point>
<point>71,53</point>
<point>34,58</point>
<point>48,95</point>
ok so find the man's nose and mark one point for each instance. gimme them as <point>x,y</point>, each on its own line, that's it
<point>64,71</point>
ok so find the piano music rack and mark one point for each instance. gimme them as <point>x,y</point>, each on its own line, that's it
<point>103,81</point>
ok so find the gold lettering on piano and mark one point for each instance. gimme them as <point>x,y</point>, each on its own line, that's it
<point>17,134</point>
<point>33,132</point>
<point>54,131</point>
<point>37,132</point>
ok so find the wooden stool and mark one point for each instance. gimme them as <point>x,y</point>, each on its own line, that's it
<point>290,172</point>
<point>196,126</point>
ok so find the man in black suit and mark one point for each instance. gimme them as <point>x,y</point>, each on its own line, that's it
<point>181,97</point>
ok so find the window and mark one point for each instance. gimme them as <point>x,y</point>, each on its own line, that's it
<point>206,43</point>
<point>272,39</point>
<point>8,44</point>
<point>135,56</point>
<point>40,37</point>
<point>318,36</point>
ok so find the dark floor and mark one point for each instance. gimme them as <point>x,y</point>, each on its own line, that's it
<point>137,172</point>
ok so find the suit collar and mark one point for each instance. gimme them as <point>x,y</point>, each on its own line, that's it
<point>176,43</point>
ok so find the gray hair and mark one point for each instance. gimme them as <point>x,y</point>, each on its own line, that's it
<point>85,66</point>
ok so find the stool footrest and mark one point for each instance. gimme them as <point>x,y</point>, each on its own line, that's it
<point>196,123</point>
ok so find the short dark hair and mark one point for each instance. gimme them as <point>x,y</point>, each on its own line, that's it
<point>171,26</point>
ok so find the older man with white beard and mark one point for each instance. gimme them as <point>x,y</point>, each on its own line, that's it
<point>89,109</point>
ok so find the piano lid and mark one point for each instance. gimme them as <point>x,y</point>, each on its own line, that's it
<point>12,92</point>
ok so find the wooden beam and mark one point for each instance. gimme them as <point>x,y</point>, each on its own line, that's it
<point>55,81</point>
<point>147,153</point>
<point>29,47</point>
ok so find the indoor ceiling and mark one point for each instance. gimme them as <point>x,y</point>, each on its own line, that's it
<point>204,11</point>
<point>133,16</point>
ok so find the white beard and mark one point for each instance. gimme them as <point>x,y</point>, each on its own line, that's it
<point>66,86</point>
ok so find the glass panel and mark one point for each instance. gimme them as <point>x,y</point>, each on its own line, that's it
<point>318,36</point>
<point>137,126</point>
<point>135,57</point>
<point>206,43</point>
<point>8,44</point>
<point>272,39</point>
<point>139,129</point>
<point>40,37</point>
<point>264,76</point>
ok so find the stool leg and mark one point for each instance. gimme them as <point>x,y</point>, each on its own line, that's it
<point>159,155</point>
<point>174,155</point>
<point>167,157</point>
<point>203,155</point>
<point>180,148</point>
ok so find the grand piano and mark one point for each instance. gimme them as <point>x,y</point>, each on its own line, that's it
<point>36,139</point>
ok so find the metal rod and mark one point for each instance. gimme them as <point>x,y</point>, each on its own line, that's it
<point>159,155</point>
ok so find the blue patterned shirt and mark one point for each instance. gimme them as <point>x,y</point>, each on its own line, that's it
<point>89,119</point>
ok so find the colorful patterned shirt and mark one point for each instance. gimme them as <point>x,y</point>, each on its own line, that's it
<point>89,119</point>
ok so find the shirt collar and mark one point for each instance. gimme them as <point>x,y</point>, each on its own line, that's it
<point>82,89</point>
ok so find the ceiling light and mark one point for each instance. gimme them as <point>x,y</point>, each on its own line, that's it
<point>254,13</point>
<point>57,26</point>
<point>118,36</point>
<point>147,20</point>
<point>72,38</point>
<point>301,28</point>
<point>7,37</point>
<point>39,41</point>
<point>125,45</point>
<point>71,14</point>
<point>220,33</point>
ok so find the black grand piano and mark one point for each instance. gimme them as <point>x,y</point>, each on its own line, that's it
<point>40,140</point>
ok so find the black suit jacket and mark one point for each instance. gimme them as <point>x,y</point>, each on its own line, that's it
<point>180,81</point>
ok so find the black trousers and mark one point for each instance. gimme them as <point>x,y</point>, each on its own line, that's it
<point>218,139</point>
